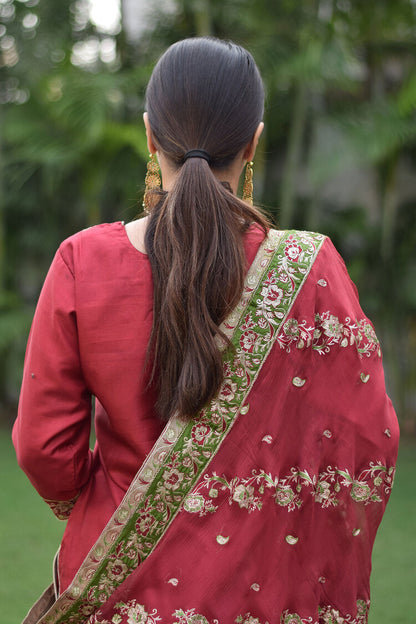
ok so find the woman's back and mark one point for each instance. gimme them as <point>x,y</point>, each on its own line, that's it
<point>260,499</point>
<point>108,312</point>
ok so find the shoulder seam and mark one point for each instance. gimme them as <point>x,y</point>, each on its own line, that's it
<point>65,262</point>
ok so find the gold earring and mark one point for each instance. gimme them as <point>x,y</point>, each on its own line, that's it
<point>248,183</point>
<point>152,182</point>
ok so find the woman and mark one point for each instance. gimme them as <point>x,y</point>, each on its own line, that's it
<point>259,499</point>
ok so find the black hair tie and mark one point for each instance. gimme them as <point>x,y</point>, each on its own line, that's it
<point>197,153</point>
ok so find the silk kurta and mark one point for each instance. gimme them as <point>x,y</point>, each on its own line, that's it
<point>280,526</point>
<point>89,338</point>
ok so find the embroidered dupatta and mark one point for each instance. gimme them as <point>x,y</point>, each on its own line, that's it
<point>177,479</point>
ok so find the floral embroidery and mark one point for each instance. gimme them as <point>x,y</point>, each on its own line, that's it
<point>289,491</point>
<point>284,495</point>
<point>328,331</point>
<point>195,504</point>
<point>144,523</point>
<point>247,619</point>
<point>190,617</point>
<point>294,618</point>
<point>200,432</point>
<point>292,250</point>
<point>329,615</point>
<point>62,509</point>
<point>116,570</point>
<point>130,612</point>
<point>244,496</point>
<point>361,491</point>
<point>173,478</point>
<point>185,449</point>
<point>272,296</point>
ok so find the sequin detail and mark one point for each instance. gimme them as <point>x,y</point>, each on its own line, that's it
<point>221,539</point>
<point>291,539</point>
<point>298,382</point>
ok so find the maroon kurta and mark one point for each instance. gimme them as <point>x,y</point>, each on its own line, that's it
<point>89,337</point>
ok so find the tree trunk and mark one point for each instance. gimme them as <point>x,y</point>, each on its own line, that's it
<point>2,215</point>
<point>287,197</point>
<point>389,207</point>
<point>92,186</point>
<point>202,14</point>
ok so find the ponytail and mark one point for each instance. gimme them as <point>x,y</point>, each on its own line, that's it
<point>195,245</point>
<point>204,94</point>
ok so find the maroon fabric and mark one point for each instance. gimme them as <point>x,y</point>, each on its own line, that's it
<point>89,337</point>
<point>320,427</point>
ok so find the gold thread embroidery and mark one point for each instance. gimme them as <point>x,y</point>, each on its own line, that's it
<point>328,330</point>
<point>62,509</point>
<point>326,487</point>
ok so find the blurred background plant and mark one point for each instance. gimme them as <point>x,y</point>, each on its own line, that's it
<point>338,153</point>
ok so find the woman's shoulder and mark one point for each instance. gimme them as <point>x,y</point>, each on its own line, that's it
<point>294,241</point>
<point>96,233</point>
<point>296,245</point>
<point>318,253</point>
<point>301,235</point>
<point>100,243</point>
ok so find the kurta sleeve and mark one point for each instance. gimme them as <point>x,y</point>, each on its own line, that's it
<point>51,432</point>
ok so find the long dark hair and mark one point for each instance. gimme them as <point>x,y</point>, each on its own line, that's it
<point>206,94</point>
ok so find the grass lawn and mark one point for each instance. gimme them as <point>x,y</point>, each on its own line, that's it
<point>393,582</point>
<point>30,535</point>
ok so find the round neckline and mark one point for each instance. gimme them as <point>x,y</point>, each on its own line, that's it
<point>250,235</point>
<point>126,236</point>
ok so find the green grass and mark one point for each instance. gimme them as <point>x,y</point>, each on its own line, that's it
<point>393,582</point>
<point>30,535</point>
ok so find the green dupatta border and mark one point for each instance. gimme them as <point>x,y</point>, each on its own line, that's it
<point>185,449</point>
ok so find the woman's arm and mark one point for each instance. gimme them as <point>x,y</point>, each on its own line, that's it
<point>51,433</point>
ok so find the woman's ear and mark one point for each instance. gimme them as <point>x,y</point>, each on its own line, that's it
<point>251,147</point>
<point>150,143</point>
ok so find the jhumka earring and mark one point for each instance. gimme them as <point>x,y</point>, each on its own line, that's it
<point>152,182</point>
<point>248,183</point>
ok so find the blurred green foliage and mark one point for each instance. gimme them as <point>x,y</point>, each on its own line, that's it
<point>337,155</point>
